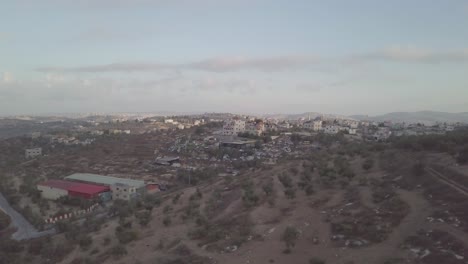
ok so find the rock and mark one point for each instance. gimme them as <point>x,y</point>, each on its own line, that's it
<point>425,253</point>
<point>232,248</point>
<point>315,240</point>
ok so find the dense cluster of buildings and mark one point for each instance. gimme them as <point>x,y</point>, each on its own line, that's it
<point>379,131</point>
<point>183,123</point>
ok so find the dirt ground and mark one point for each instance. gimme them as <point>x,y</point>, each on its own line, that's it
<point>405,232</point>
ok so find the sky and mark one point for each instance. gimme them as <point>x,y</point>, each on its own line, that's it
<point>242,56</point>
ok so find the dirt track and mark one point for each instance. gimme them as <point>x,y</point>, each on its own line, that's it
<point>24,230</point>
<point>442,178</point>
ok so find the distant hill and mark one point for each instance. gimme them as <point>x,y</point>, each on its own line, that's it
<point>417,117</point>
<point>312,115</point>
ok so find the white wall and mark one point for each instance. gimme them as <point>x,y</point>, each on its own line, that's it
<point>51,193</point>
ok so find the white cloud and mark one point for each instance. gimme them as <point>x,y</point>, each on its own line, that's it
<point>7,77</point>
<point>414,55</point>
<point>277,63</point>
<point>221,64</point>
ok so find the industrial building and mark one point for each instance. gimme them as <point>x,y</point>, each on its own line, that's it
<point>55,189</point>
<point>114,183</point>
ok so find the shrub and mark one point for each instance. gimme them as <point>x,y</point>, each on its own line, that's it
<point>463,156</point>
<point>176,198</point>
<point>106,241</point>
<point>290,193</point>
<point>85,242</point>
<point>144,217</point>
<point>285,180</point>
<point>309,190</point>
<point>316,261</point>
<point>289,237</point>
<point>418,168</point>
<point>250,198</point>
<point>167,221</point>
<point>118,251</point>
<point>167,209</point>
<point>4,220</point>
<point>268,188</point>
<point>125,236</point>
<point>368,164</point>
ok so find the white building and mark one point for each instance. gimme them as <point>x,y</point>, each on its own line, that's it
<point>233,127</point>
<point>353,125</point>
<point>35,135</point>
<point>308,125</point>
<point>255,128</point>
<point>284,125</point>
<point>382,134</point>
<point>315,125</point>
<point>331,129</point>
<point>32,153</point>
<point>123,192</point>
<point>352,131</point>
<point>168,121</point>
<point>97,132</point>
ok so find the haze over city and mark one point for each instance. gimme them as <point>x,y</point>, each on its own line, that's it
<point>258,56</point>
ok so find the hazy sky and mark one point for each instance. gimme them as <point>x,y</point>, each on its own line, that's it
<point>250,56</point>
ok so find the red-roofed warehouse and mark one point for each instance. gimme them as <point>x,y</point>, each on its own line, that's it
<point>54,189</point>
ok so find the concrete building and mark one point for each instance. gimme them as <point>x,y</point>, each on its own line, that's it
<point>55,189</point>
<point>32,153</point>
<point>331,129</point>
<point>255,127</point>
<point>233,127</point>
<point>124,192</point>
<point>315,125</point>
<point>35,135</point>
<point>382,134</point>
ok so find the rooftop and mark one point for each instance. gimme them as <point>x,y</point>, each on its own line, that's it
<point>74,186</point>
<point>104,180</point>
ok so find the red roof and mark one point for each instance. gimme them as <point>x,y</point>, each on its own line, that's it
<point>75,186</point>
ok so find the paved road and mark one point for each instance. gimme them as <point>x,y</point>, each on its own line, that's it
<point>24,229</point>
